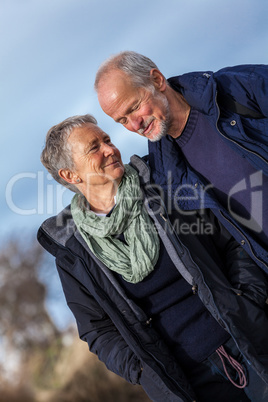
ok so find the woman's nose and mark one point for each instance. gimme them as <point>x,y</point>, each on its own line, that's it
<point>108,149</point>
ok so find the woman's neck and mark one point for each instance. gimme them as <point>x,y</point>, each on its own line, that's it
<point>102,198</point>
<point>102,206</point>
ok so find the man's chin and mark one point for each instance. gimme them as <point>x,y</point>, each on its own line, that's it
<point>163,131</point>
<point>156,137</point>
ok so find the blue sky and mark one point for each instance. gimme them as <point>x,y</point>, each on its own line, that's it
<point>50,51</point>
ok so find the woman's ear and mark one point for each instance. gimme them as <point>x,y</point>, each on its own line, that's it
<point>69,176</point>
<point>158,80</point>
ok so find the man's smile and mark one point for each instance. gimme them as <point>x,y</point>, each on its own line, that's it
<point>145,131</point>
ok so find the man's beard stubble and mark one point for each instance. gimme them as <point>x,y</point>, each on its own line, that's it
<point>164,124</point>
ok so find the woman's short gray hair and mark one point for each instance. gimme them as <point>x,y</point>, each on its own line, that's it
<point>57,153</point>
<point>135,65</point>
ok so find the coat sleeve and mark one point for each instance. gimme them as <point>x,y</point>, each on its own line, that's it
<point>243,273</point>
<point>97,329</point>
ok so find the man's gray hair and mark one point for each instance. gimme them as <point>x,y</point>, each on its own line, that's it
<point>57,153</point>
<point>135,65</point>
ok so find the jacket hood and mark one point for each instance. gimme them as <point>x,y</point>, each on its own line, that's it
<point>59,228</point>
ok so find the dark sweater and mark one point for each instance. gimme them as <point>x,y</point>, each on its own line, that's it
<point>237,184</point>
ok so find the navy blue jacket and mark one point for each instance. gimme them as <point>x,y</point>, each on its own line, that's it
<point>121,334</point>
<point>246,84</point>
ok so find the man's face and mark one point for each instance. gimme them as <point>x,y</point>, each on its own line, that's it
<point>141,110</point>
<point>96,160</point>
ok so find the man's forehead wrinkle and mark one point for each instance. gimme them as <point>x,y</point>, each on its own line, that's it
<point>124,111</point>
<point>109,101</point>
<point>117,107</point>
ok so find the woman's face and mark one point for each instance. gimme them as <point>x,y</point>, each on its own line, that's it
<point>96,160</point>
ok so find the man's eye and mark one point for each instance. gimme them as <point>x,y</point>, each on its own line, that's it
<point>136,107</point>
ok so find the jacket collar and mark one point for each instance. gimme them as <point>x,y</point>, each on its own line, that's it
<point>199,90</point>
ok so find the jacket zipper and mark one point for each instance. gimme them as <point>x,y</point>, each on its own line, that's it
<point>194,285</point>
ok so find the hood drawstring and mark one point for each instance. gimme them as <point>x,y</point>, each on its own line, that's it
<point>234,363</point>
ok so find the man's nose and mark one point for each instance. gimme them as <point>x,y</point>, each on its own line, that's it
<point>135,122</point>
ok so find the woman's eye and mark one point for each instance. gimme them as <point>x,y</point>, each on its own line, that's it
<point>93,148</point>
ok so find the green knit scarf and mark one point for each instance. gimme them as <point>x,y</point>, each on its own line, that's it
<point>135,259</point>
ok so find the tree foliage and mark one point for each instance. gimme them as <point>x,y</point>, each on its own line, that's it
<point>24,321</point>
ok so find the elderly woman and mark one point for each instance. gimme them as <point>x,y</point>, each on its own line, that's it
<point>161,310</point>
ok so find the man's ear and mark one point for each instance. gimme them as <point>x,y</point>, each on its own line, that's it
<point>158,79</point>
<point>68,176</point>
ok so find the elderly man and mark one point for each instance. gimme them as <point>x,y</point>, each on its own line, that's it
<point>181,314</point>
<point>208,137</point>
